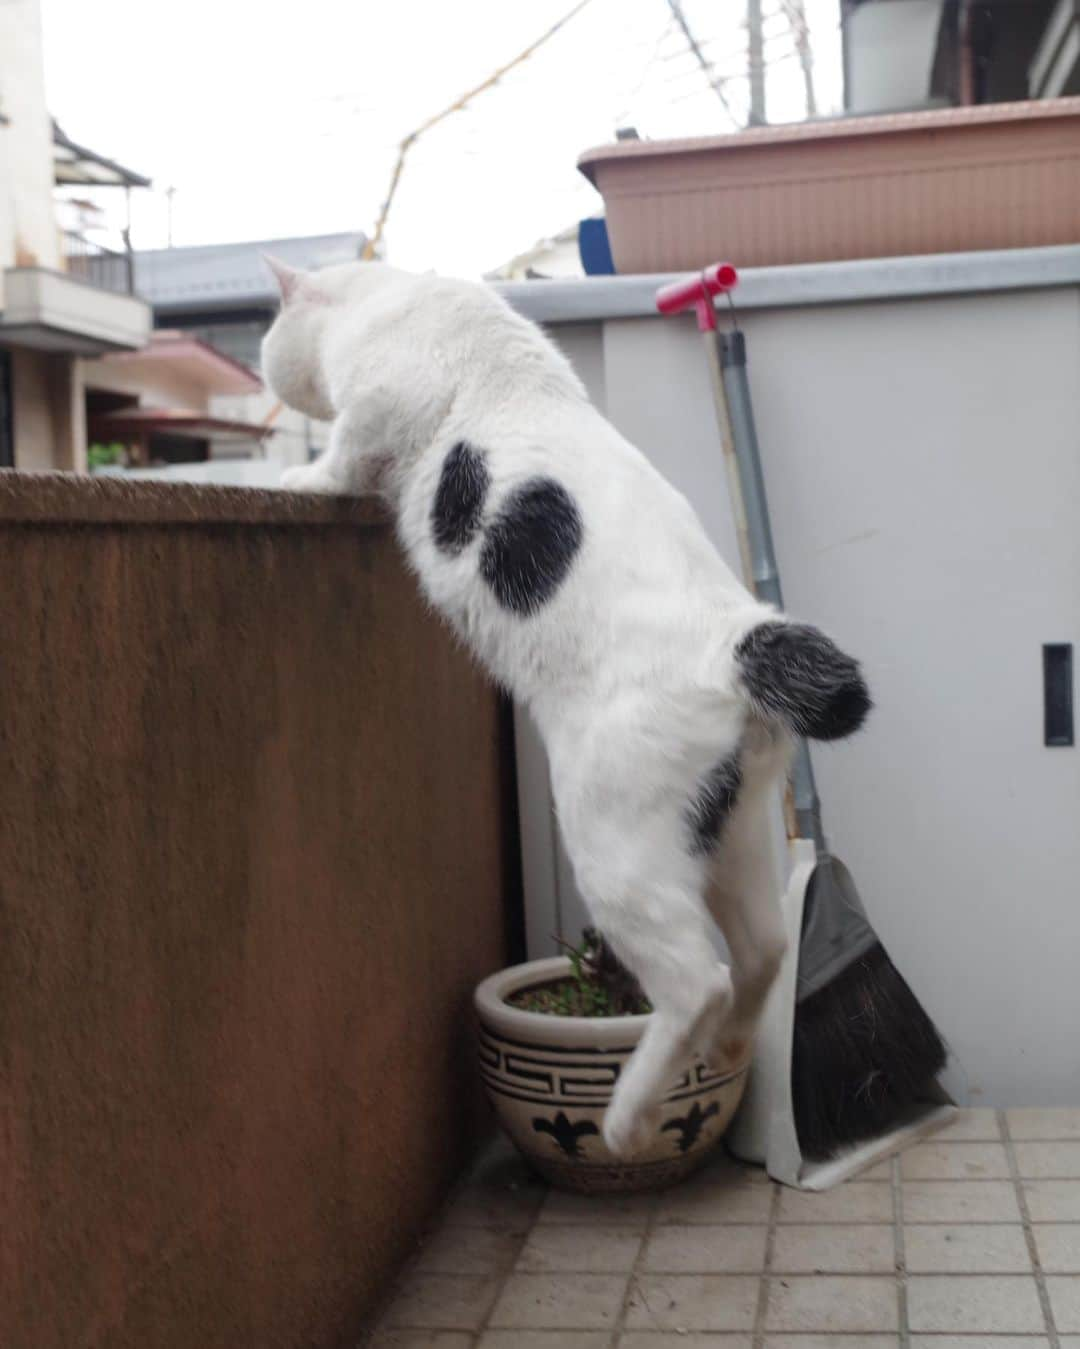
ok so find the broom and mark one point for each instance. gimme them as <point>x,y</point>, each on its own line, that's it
<point>865,1053</point>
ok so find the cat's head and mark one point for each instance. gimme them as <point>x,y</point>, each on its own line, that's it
<point>293,349</point>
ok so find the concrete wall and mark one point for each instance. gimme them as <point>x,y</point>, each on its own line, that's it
<point>50,411</point>
<point>922,465</point>
<point>28,232</point>
<point>252,863</point>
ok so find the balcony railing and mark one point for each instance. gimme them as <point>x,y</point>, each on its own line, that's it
<point>98,265</point>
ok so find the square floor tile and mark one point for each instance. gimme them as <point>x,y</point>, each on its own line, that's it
<point>544,1339</point>
<point>673,1339</point>
<point>855,1202</point>
<point>551,1247</point>
<point>980,1342</point>
<point>468,1250</point>
<point>959,1201</point>
<point>955,1161</point>
<point>419,1339</point>
<point>971,1125</point>
<point>1003,1305</point>
<point>559,1301</point>
<point>1065,1302</point>
<point>841,1341</point>
<point>989,1248</point>
<point>834,1248</point>
<point>881,1171</point>
<point>717,1197</point>
<point>600,1210</point>
<point>1032,1122</point>
<point>831,1303</point>
<point>1053,1201</point>
<point>440,1301</point>
<point>698,1249</point>
<point>692,1302</point>
<point>500,1193</point>
<point>1057,1160</point>
<point>1058,1245</point>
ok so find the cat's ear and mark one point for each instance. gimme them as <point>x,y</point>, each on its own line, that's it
<point>288,278</point>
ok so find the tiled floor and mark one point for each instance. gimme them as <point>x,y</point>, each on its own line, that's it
<point>972,1238</point>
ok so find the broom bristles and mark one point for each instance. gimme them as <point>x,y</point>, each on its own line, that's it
<point>864,1054</point>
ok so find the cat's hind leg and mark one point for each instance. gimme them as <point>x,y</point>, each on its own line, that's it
<point>743,895</point>
<point>655,920</point>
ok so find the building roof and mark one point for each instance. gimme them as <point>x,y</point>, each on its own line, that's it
<point>177,422</point>
<point>75,164</point>
<point>231,276</point>
<point>205,366</point>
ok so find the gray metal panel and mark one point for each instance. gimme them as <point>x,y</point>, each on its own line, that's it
<point>923,473</point>
<point>816,283</point>
<point>921,460</point>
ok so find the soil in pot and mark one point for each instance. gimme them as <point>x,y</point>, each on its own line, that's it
<point>598,985</point>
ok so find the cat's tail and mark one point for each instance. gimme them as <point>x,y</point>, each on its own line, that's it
<point>794,673</point>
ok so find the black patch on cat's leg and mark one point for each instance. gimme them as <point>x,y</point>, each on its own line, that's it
<point>457,510</point>
<point>794,672</point>
<point>529,547</point>
<point>716,796</point>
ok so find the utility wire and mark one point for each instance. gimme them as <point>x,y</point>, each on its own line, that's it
<point>457,106</point>
<point>703,60</point>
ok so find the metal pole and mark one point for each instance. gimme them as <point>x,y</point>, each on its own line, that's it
<point>129,256</point>
<point>763,571</point>
<point>756,60</point>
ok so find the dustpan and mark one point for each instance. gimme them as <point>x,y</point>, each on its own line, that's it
<point>765,1129</point>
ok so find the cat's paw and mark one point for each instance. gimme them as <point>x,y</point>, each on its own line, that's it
<point>304,478</point>
<point>628,1132</point>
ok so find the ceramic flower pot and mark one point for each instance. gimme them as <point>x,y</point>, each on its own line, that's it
<point>550,1079</point>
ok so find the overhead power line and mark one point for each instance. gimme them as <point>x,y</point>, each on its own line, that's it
<point>458,104</point>
<point>692,42</point>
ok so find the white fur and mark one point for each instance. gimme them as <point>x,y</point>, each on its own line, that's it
<point>628,669</point>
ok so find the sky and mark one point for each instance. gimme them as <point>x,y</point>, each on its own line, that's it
<point>272,119</point>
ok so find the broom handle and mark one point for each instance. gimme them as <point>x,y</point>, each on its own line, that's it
<point>735,413</point>
<point>731,394</point>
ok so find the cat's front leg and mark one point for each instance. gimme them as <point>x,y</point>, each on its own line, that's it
<point>349,466</point>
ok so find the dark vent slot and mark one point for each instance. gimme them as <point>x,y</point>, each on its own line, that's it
<point>1058,694</point>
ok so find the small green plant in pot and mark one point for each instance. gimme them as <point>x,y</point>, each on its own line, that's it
<point>554,1036</point>
<point>105,456</point>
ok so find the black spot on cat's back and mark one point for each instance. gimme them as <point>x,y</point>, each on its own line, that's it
<point>709,810</point>
<point>457,511</point>
<point>530,545</point>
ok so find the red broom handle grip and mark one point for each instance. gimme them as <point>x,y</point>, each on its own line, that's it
<point>697,291</point>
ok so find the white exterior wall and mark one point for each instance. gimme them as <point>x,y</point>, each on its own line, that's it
<point>922,459</point>
<point>293,432</point>
<point>154,387</point>
<point>28,232</point>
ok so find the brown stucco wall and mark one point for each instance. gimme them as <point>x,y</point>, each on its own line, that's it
<point>252,852</point>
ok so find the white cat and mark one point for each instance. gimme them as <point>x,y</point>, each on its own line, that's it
<point>667,697</point>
